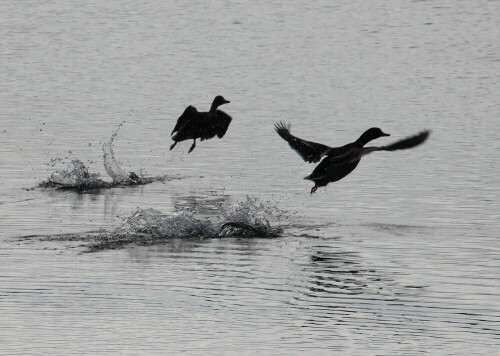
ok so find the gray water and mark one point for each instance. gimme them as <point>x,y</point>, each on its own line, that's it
<point>400,257</point>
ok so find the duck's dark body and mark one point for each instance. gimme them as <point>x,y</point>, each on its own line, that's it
<point>341,161</point>
<point>193,124</point>
<point>329,172</point>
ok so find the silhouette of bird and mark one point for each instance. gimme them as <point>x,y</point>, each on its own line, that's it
<point>333,168</point>
<point>312,151</point>
<point>193,124</point>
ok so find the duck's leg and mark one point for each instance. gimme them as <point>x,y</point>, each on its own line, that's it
<point>171,147</point>
<point>317,185</point>
<point>192,146</point>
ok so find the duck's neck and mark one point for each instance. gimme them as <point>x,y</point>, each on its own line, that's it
<point>364,139</point>
<point>214,107</point>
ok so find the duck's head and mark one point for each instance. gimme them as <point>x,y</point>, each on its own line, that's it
<point>218,101</point>
<point>371,134</point>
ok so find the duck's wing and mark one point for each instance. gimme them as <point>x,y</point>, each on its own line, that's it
<point>333,168</point>
<point>188,115</point>
<point>309,151</point>
<point>406,143</point>
<point>221,123</point>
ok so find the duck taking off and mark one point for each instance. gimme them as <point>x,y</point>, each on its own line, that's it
<point>312,152</point>
<point>333,168</point>
<point>340,161</point>
<point>193,124</point>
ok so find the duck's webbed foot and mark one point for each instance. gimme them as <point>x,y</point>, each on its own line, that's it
<point>313,190</point>
<point>192,146</point>
<point>171,147</point>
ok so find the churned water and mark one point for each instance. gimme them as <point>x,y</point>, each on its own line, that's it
<point>112,244</point>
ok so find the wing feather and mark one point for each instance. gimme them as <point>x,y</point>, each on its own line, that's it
<point>189,114</point>
<point>221,123</point>
<point>308,150</point>
<point>404,144</point>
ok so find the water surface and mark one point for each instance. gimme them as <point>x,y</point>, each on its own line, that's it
<point>400,257</point>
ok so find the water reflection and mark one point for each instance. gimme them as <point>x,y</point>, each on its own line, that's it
<point>86,203</point>
<point>395,229</point>
<point>113,200</point>
<point>338,272</point>
<point>239,250</point>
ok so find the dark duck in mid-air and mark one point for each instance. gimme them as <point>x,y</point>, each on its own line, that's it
<point>312,152</point>
<point>193,124</point>
<point>340,161</point>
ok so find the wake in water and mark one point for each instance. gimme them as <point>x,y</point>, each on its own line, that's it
<point>249,218</point>
<point>77,176</point>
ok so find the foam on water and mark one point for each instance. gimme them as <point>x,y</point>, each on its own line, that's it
<point>77,177</point>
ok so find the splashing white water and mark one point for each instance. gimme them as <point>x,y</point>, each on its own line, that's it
<point>247,219</point>
<point>159,225</point>
<point>251,216</point>
<point>110,164</point>
<point>254,211</point>
<point>76,173</point>
<point>77,176</point>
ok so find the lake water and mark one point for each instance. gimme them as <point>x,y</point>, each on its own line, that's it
<point>400,257</point>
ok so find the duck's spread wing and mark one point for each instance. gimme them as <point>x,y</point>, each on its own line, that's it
<point>333,168</point>
<point>408,142</point>
<point>188,115</point>
<point>309,151</point>
<point>404,144</point>
<point>221,123</point>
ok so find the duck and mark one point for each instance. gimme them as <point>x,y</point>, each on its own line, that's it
<point>333,168</point>
<point>312,152</point>
<point>193,124</point>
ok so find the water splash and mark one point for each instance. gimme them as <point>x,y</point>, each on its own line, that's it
<point>247,219</point>
<point>77,177</point>
<point>111,165</point>
<point>156,224</point>
<point>255,212</point>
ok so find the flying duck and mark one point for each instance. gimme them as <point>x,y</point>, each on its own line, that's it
<point>312,152</point>
<point>340,161</point>
<point>333,168</point>
<point>193,124</point>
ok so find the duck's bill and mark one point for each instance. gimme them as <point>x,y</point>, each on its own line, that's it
<point>226,101</point>
<point>385,134</point>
